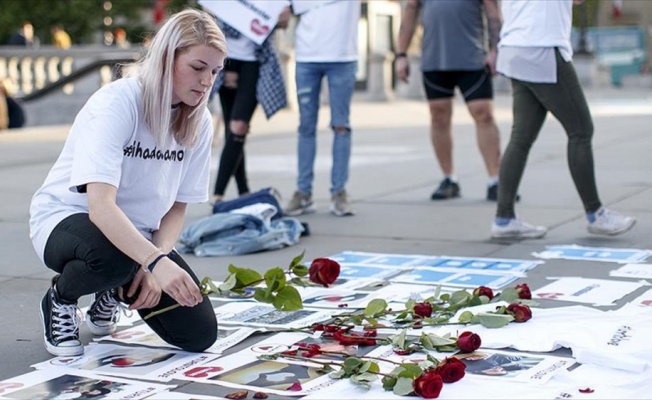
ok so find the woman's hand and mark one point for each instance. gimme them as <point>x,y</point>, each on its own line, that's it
<point>149,294</point>
<point>177,283</point>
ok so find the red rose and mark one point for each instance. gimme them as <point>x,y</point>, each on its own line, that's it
<point>468,342</point>
<point>423,310</point>
<point>521,312</point>
<point>483,291</point>
<point>451,369</point>
<point>324,271</point>
<point>428,385</point>
<point>523,291</point>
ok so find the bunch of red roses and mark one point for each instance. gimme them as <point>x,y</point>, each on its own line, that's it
<point>441,307</point>
<point>425,379</point>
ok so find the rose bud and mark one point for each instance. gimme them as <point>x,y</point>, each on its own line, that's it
<point>483,291</point>
<point>523,291</point>
<point>451,369</point>
<point>521,312</point>
<point>324,271</point>
<point>428,385</point>
<point>237,395</point>
<point>468,342</point>
<point>423,310</point>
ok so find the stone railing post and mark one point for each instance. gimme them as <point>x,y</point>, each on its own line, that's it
<point>379,81</point>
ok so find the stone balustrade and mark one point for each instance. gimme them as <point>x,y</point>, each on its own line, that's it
<point>25,71</point>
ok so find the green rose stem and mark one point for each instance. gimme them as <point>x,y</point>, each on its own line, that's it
<point>205,291</point>
<point>278,289</point>
<point>339,353</point>
<point>328,365</point>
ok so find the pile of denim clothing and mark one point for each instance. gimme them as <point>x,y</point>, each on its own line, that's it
<point>257,225</point>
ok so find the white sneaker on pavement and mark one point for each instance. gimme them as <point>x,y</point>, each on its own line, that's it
<point>517,229</point>
<point>340,205</point>
<point>610,223</point>
<point>300,203</point>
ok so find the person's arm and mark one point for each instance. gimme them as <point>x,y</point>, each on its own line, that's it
<point>284,18</point>
<point>494,24</point>
<point>4,112</point>
<point>405,33</point>
<point>114,224</point>
<point>171,225</point>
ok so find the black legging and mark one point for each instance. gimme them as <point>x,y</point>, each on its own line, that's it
<point>237,103</point>
<point>88,263</point>
<point>531,103</point>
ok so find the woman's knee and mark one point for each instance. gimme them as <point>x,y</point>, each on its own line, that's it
<point>201,337</point>
<point>239,127</point>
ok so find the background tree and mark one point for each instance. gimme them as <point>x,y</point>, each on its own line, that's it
<point>82,19</point>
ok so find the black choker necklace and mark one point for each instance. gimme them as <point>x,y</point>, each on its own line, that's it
<point>176,105</point>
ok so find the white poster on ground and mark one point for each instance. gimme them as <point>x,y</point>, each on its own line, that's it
<point>642,271</point>
<point>130,362</point>
<point>255,19</point>
<point>143,335</point>
<point>246,369</point>
<point>60,383</point>
<point>255,314</point>
<point>640,305</point>
<point>601,292</point>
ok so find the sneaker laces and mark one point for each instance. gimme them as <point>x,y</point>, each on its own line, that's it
<point>65,321</point>
<point>108,308</point>
<point>608,216</point>
<point>340,197</point>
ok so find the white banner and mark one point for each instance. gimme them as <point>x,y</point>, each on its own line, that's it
<point>255,19</point>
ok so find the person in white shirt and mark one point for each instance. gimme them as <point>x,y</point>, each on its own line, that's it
<point>326,45</point>
<point>109,213</point>
<point>535,52</point>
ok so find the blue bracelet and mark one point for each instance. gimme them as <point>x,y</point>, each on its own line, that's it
<point>151,265</point>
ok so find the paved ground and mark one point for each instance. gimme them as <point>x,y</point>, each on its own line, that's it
<point>393,172</point>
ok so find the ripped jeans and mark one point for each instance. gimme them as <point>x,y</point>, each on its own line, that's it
<point>341,84</point>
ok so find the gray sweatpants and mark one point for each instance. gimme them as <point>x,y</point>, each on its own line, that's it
<point>531,103</point>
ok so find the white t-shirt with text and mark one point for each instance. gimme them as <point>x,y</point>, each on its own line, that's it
<point>110,143</point>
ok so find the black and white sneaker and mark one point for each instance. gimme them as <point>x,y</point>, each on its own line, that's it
<point>104,313</point>
<point>447,190</point>
<point>61,322</point>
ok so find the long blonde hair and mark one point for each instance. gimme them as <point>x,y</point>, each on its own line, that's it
<point>155,71</point>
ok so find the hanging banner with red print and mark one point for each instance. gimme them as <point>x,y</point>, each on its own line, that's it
<point>253,18</point>
<point>617,9</point>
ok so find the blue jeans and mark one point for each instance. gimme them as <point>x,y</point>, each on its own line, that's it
<point>341,83</point>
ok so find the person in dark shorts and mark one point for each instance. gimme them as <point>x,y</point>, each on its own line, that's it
<point>454,55</point>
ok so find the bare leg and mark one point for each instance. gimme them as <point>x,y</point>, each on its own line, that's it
<point>441,113</point>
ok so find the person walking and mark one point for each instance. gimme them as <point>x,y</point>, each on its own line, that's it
<point>535,52</point>
<point>326,45</point>
<point>454,55</point>
<point>109,213</point>
<point>252,75</point>
<point>60,38</point>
